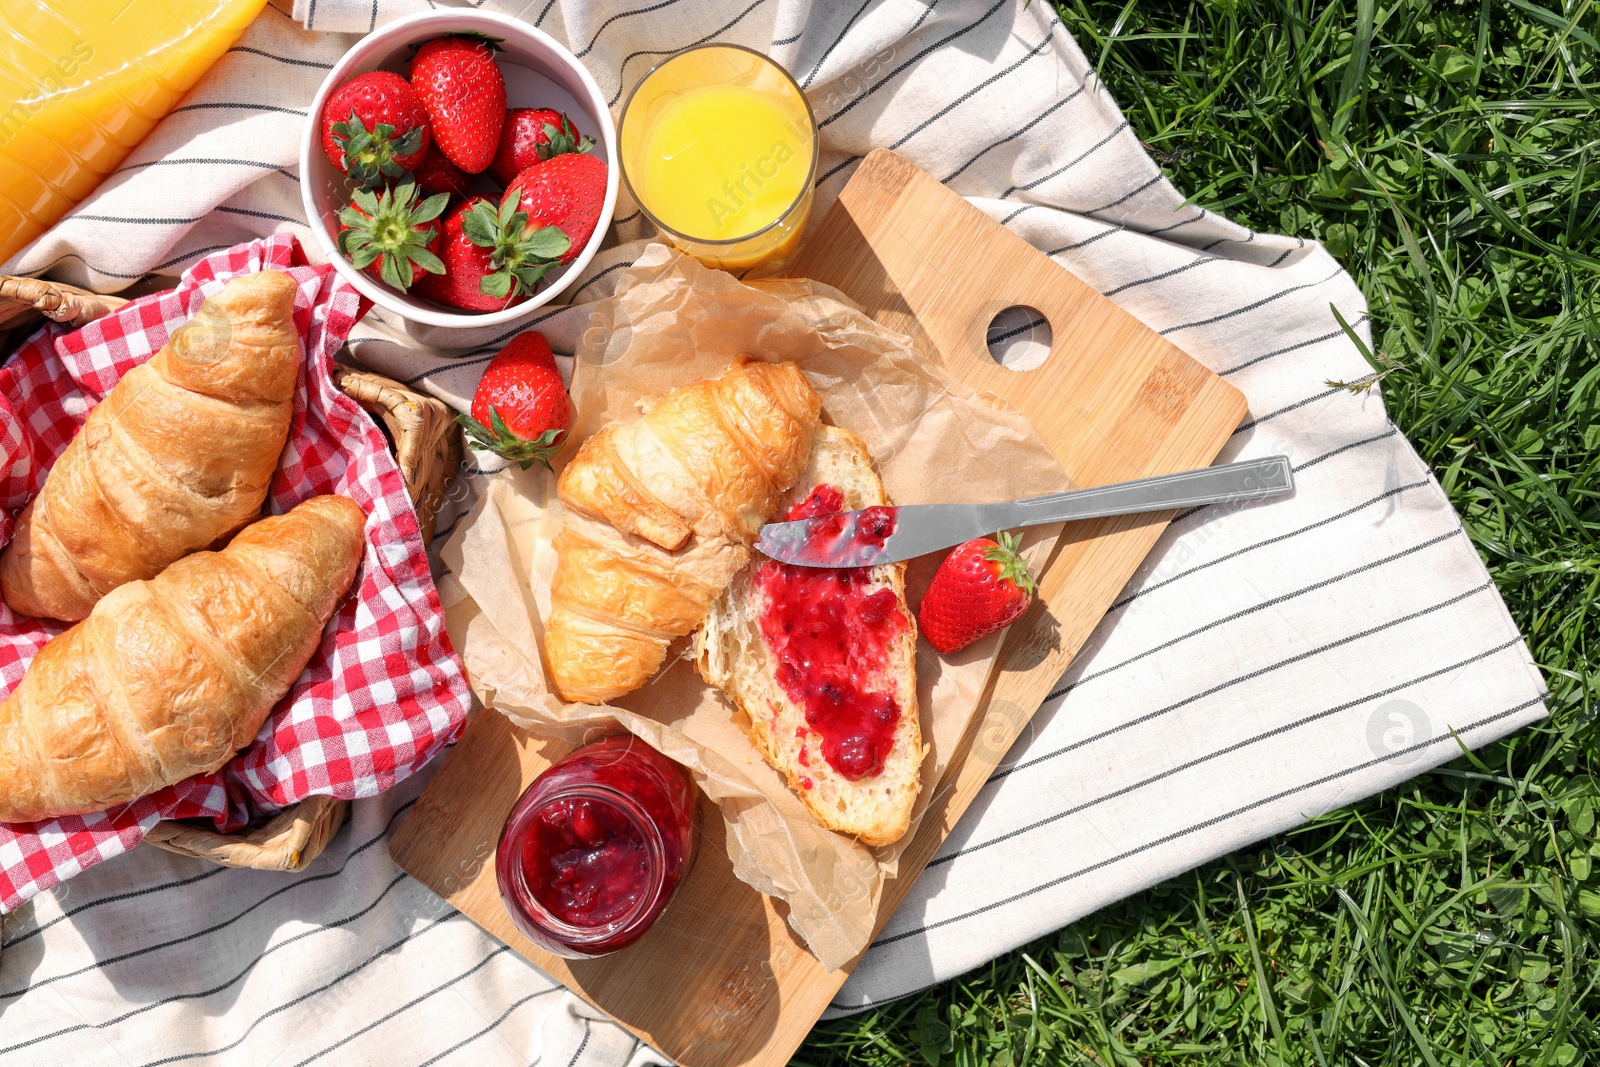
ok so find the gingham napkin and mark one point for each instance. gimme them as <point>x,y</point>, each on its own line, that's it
<point>382,693</point>
<point>1268,663</point>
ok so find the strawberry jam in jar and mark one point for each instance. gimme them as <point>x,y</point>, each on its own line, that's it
<point>595,847</point>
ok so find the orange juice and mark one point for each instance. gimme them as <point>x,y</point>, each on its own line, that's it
<point>721,161</point>
<point>719,148</point>
<point>82,82</point>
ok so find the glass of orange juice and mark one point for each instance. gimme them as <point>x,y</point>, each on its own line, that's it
<point>719,149</point>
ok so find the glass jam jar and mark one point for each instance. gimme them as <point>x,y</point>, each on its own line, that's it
<point>595,847</point>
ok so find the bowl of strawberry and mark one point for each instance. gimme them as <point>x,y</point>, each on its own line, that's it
<point>456,167</point>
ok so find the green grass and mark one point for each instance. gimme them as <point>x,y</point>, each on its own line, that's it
<point>1446,152</point>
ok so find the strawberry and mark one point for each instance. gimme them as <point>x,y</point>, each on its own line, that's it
<point>519,252</point>
<point>465,266</point>
<point>982,586</point>
<point>391,235</point>
<point>374,127</point>
<point>520,409</point>
<point>532,135</point>
<point>566,191</point>
<point>459,83</point>
<point>436,174</point>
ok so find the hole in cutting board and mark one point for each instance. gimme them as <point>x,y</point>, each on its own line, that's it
<point>1019,338</point>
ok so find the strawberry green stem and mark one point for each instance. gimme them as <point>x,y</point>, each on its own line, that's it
<point>1012,566</point>
<point>502,442</point>
<point>370,155</point>
<point>520,256</point>
<point>391,228</point>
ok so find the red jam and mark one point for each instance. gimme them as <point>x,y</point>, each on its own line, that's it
<point>875,525</point>
<point>828,540</point>
<point>596,846</point>
<point>828,634</point>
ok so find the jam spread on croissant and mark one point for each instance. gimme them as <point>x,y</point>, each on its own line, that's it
<point>831,637</point>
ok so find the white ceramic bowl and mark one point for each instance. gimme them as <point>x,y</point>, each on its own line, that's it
<point>538,73</point>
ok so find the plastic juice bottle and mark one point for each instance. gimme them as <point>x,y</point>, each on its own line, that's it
<point>719,148</point>
<point>82,82</point>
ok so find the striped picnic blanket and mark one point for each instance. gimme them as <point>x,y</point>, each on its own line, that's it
<point>1269,662</point>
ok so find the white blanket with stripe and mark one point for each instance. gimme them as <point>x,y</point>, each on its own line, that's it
<point>1268,663</point>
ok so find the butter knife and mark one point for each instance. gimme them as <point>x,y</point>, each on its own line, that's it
<point>890,534</point>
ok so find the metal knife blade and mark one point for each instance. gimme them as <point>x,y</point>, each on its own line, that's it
<point>888,535</point>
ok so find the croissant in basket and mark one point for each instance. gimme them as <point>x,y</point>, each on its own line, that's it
<point>180,453</point>
<point>661,513</point>
<point>168,678</point>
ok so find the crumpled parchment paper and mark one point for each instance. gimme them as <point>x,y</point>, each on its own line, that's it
<point>673,322</point>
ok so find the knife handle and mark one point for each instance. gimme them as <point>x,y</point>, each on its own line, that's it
<point>1251,480</point>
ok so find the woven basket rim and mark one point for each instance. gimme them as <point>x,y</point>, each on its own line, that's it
<point>21,297</point>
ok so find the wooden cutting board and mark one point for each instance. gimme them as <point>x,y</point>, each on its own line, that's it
<point>720,980</point>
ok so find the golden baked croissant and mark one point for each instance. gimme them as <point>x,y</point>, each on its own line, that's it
<point>168,678</point>
<point>178,454</point>
<point>662,512</point>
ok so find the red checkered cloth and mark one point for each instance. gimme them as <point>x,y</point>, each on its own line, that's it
<point>383,693</point>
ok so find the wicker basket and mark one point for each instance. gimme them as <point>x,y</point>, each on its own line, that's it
<point>427,447</point>
<point>24,300</point>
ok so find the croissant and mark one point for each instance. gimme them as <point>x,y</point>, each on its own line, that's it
<point>178,454</point>
<point>662,511</point>
<point>168,678</point>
